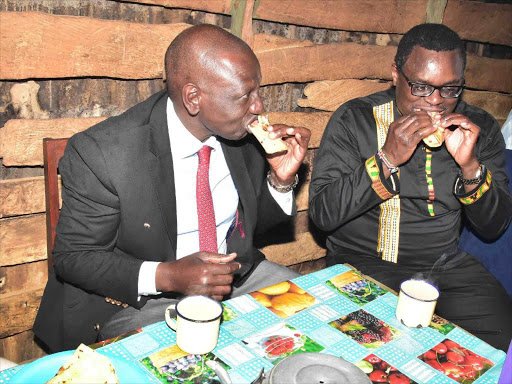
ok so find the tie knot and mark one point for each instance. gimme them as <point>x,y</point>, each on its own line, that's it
<point>204,154</point>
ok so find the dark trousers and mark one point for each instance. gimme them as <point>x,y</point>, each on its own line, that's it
<point>470,296</point>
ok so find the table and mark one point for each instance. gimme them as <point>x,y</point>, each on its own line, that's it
<point>336,311</point>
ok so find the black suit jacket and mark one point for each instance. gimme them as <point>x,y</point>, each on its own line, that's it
<point>119,210</point>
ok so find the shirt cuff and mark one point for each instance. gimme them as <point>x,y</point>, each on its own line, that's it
<point>147,279</point>
<point>284,200</point>
<point>475,195</point>
<point>385,189</point>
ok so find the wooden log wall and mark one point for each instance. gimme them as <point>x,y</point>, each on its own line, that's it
<point>66,65</point>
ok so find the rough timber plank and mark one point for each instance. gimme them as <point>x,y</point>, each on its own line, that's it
<point>383,16</point>
<point>38,45</point>
<point>304,248</point>
<point>480,21</point>
<point>22,196</point>
<point>351,15</point>
<point>84,47</point>
<point>19,311</point>
<point>23,277</point>
<point>302,195</point>
<point>81,46</point>
<point>329,95</point>
<point>23,239</point>
<point>315,121</point>
<point>22,139</point>
<point>326,62</point>
<point>20,347</point>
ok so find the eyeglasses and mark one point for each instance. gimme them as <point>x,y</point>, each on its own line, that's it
<point>425,90</point>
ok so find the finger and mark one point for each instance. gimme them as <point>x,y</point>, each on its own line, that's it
<point>220,291</point>
<point>461,121</point>
<point>424,132</point>
<point>223,269</point>
<point>220,280</point>
<point>418,124</point>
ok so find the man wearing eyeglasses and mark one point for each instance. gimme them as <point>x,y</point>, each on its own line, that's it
<point>392,198</point>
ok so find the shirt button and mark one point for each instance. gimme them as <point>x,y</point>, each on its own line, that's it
<point>96,327</point>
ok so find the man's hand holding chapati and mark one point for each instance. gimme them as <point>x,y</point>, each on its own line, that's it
<point>284,166</point>
<point>460,142</point>
<point>404,135</point>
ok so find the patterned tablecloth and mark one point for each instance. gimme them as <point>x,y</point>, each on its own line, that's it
<point>334,311</point>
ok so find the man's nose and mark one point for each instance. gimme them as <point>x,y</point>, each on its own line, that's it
<point>256,107</point>
<point>435,98</point>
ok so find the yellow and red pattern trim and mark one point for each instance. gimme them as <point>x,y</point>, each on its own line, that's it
<point>430,182</point>
<point>389,220</point>
<point>479,192</point>
<point>374,172</point>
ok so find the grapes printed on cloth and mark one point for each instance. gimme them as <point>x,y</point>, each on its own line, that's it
<point>365,328</point>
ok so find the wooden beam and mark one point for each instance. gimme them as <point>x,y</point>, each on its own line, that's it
<point>85,47</point>
<point>435,11</point>
<point>20,347</point>
<point>22,196</point>
<point>23,239</point>
<point>329,95</point>
<point>38,45</point>
<point>23,277</point>
<point>92,47</point>
<point>326,62</point>
<point>22,139</point>
<point>384,16</point>
<point>304,248</point>
<point>19,311</point>
<point>315,121</point>
<point>241,20</point>
<point>480,21</point>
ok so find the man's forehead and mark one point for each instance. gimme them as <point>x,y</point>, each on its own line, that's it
<point>422,61</point>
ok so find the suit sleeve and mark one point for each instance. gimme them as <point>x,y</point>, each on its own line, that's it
<point>489,206</point>
<point>88,225</point>
<point>344,183</point>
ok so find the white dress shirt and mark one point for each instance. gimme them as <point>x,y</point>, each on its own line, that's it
<point>184,148</point>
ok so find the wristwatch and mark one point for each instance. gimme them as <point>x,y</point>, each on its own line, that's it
<point>475,180</point>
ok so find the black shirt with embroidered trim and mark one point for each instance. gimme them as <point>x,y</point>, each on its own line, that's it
<point>343,203</point>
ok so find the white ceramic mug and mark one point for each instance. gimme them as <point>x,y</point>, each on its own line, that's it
<point>416,303</point>
<point>197,325</point>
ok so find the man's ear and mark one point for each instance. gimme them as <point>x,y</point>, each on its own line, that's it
<point>191,98</point>
<point>394,73</point>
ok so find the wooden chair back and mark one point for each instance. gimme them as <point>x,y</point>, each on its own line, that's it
<point>53,149</point>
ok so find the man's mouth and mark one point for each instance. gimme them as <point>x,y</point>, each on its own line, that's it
<point>429,109</point>
<point>251,120</point>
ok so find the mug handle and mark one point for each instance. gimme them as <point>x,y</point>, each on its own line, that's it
<point>171,322</point>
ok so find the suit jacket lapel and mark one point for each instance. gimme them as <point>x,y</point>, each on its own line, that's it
<point>159,162</point>
<point>242,179</point>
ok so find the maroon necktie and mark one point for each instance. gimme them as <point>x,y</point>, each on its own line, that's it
<point>205,212</point>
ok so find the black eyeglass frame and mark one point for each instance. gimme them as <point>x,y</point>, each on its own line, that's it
<point>434,87</point>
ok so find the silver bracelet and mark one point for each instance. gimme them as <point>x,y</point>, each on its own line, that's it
<point>284,188</point>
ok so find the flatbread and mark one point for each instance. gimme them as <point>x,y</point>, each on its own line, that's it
<point>86,366</point>
<point>259,130</point>
<point>435,139</point>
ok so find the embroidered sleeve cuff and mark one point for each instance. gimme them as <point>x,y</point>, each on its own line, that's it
<point>385,189</point>
<point>473,196</point>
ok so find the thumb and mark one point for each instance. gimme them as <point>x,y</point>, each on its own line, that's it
<point>218,258</point>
